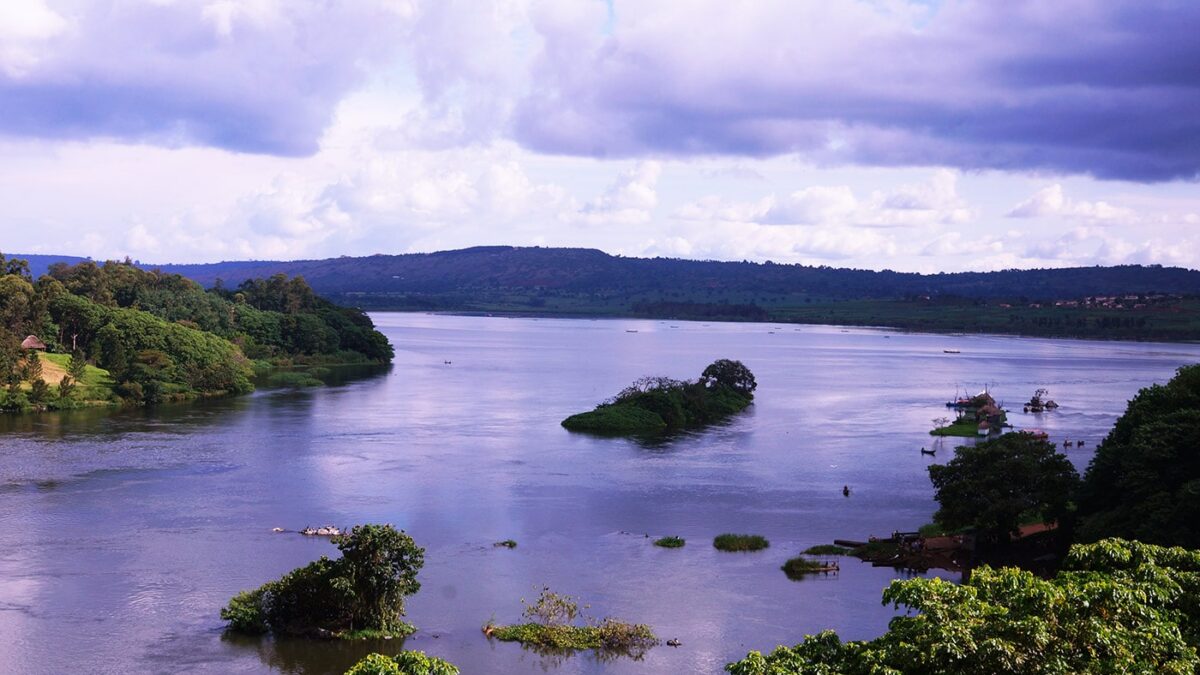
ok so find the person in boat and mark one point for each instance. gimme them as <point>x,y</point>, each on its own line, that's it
<point>845,490</point>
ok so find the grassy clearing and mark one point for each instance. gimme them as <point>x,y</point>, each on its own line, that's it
<point>740,542</point>
<point>670,542</point>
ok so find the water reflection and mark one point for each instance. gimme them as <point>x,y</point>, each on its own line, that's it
<point>299,656</point>
<point>143,523</point>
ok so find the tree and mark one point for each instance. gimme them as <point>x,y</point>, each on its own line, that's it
<point>732,374</point>
<point>77,366</point>
<point>996,485</point>
<point>66,386</point>
<point>33,367</point>
<point>1144,480</point>
<point>381,564</point>
<point>1118,607</point>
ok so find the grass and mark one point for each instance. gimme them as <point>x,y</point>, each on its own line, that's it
<point>292,378</point>
<point>967,429</point>
<point>619,418</point>
<point>507,543</point>
<point>670,542</point>
<point>826,549</point>
<point>740,542</point>
<point>402,631</point>
<point>796,568</point>
<point>97,383</point>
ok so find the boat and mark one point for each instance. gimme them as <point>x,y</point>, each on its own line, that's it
<point>630,330</point>
<point>951,351</point>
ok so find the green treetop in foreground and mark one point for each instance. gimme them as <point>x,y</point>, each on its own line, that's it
<point>405,663</point>
<point>1116,607</point>
<point>997,485</point>
<point>360,594</point>
<point>658,404</point>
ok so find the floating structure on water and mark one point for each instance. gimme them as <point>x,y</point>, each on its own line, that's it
<point>1040,403</point>
<point>323,531</point>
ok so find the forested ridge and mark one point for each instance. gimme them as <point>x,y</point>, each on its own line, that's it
<point>149,336</point>
<point>1144,302</point>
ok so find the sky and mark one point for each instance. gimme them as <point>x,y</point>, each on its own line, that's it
<point>881,134</point>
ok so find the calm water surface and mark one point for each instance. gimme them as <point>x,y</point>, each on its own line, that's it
<point>123,533</point>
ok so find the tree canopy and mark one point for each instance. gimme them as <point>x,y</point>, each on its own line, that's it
<point>1117,607</point>
<point>996,485</point>
<point>1144,480</point>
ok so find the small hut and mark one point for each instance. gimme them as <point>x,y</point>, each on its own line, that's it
<point>32,342</point>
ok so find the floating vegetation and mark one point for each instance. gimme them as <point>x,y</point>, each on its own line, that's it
<point>550,628</point>
<point>670,542</point>
<point>507,543</point>
<point>800,566</point>
<point>740,542</point>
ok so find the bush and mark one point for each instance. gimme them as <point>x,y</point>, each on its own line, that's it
<point>740,542</point>
<point>404,663</point>
<point>670,542</point>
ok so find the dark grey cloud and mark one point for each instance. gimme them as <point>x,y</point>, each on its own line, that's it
<point>259,77</point>
<point>1108,88</point>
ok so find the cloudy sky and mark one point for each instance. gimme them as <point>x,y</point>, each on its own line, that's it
<point>901,134</point>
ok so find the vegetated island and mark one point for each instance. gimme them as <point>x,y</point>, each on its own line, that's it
<point>550,628</point>
<point>407,662</point>
<point>660,404</point>
<point>978,415</point>
<point>358,596</point>
<point>109,334</point>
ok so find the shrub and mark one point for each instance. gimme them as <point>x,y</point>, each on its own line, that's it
<point>550,629</point>
<point>740,542</point>
<point>404,663</point>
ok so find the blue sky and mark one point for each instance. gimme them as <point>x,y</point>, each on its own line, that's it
<point>883,134</point>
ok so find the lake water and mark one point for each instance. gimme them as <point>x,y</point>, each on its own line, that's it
<point>122,533</point>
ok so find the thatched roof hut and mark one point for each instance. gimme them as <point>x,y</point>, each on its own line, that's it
<point>32,342</point>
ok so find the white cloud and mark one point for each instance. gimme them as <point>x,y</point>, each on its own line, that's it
<point>1051,201</point>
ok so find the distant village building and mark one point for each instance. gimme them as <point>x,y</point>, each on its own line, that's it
<point>32,342</point>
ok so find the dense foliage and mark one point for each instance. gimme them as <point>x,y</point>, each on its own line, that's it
<point>361,593</point>
<point>405,663</point>
<point>997,485</point>
<point>269,318</point>
<point>116,332</point>
<point>1144,480</point>
<point>1116,607</point>
<point>656,404</point>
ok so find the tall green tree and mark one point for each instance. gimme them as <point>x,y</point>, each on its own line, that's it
<point>1144,480</point>
<point>996,485</point>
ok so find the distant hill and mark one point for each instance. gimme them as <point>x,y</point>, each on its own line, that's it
<point>588,271</point>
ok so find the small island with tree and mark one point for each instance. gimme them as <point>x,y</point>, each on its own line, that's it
<point>358,596</point>
<point>661,404</point>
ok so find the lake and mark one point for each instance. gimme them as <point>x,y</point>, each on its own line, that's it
<point>124,532</point>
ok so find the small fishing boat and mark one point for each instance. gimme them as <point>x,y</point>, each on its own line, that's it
<point>951,351</point>
<point>630,330</point>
